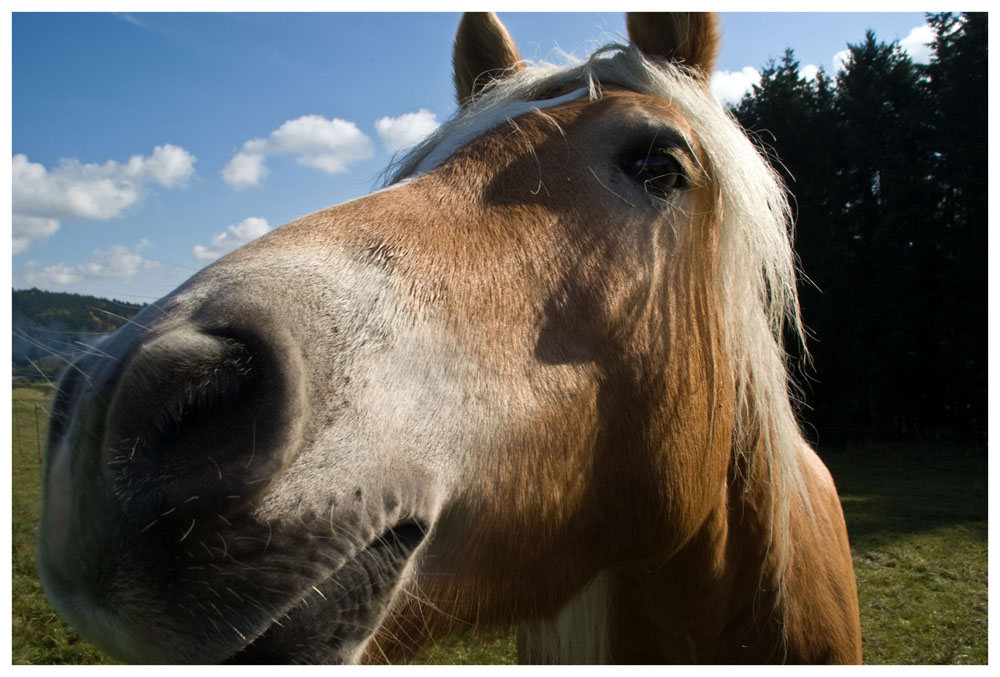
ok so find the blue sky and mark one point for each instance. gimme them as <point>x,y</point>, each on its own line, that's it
<point>145,145</point>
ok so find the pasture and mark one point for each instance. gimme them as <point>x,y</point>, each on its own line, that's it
<point>917,518</point>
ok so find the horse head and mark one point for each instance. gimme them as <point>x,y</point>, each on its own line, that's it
<point>536,380</point>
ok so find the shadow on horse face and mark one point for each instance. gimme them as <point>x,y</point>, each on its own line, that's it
<point>517,386</point>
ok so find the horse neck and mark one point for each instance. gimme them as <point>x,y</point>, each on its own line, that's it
<point>719,599</point>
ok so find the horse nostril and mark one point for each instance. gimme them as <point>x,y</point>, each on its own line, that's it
<point>193,421</point>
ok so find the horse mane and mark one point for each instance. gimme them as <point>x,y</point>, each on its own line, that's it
<point>755,270</point>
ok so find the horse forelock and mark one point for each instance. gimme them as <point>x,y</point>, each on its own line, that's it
<point>754,272</point>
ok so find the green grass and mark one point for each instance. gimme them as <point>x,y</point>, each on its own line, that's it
<point>917,518</point>
<point>38,635</point>
<point>468,649</point>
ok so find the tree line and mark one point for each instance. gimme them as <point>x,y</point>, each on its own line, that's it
<point>887,162</point>
<point>49,328</point>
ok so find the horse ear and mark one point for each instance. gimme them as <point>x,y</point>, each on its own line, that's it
<point>688,37</point>
<point>484,50</point>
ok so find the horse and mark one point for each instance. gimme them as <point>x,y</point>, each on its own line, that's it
<point>537,380</point>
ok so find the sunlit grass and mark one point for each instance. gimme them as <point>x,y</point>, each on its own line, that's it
<point>917,520</point>
<point>38,635</point>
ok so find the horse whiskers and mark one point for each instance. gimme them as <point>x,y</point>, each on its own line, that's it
<point>56,354</point>
<point>42,374</point>
<point>52,351</point>
<point>98,352</point>
<point>207,549</point>
<point>253,442</point>
<point>128,320</point>
<point>76,345</point>
<point>378,646</point>
<point>423,600</point>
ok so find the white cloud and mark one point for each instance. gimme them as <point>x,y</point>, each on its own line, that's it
<point>59,275</point>
<point>71,190</point>
<point>232,238</point>
<point>245,169</point>
<point>331,163</point>
<point>407,130</point>
<point>24,229</point>
<point>327,145</point>
<point>170,166</point>
<point>314,133</point>
<point>809,72</point>
<point>118,262</point>
<point>840,60</point>
<point>730,86</point>
<point>74,190</point>
<point>917,44</point>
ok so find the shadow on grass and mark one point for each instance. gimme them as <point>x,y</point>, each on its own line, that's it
<point>889,492</point>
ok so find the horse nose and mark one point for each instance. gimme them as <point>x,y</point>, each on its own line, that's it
<point>197,420</point>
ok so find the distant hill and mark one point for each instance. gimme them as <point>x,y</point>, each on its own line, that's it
<point>48,328</point>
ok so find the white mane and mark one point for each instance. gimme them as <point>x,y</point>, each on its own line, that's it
<point>755,268</point>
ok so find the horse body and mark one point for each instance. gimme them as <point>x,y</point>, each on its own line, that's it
<point>514,387</point>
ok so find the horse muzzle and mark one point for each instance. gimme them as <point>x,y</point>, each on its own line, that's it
<point>172,528</point>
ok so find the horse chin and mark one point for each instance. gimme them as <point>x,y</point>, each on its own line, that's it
<point>327,617</point>
<point>336,617</point>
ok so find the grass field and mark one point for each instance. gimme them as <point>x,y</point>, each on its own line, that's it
<point>917,519</point>
<point>918,529</point>
<point>38,635</point>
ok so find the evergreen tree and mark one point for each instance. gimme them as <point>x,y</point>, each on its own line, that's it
<point>956,83</point>
<point>888,211</point>
<point>887,163</point>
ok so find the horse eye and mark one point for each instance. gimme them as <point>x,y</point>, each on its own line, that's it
<point>659,171</point>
